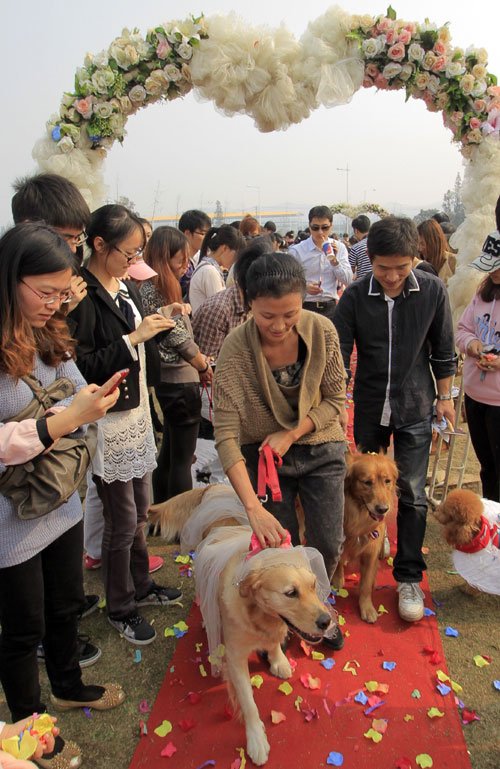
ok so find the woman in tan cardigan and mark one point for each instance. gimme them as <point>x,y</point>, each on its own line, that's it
<point>280,381</point>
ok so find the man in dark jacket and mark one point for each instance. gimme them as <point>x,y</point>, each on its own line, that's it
<point>402,327</point>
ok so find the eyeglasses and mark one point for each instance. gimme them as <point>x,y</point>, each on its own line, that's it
<point>76,240</point>
<point>317,227</point>
<point>130,257</point>
<point>201,232</point>
<point>63,297</point>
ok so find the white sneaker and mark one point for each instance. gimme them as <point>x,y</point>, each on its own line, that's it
<point>411,601</point>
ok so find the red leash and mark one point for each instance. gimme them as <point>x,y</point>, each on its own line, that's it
<point>267,474</point>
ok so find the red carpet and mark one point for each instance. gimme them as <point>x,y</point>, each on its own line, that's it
<point>328,719</point>
<point>328,725</point>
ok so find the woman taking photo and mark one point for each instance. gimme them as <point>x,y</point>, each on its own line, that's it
<point>111,336</point>
<point>41,581</point>
<point>182,364</point>
<point>217,254</point>
<point>478,337</point>
<point>280,381</point>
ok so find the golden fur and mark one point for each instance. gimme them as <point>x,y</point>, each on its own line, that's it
<point>255,614</point>
<point>369,490</point>
<point>460,514</point>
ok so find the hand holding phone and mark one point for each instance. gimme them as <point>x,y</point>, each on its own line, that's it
<point>123,375</point>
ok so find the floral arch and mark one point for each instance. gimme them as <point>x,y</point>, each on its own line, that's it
<point>278,81</point>
<point>351,211</point>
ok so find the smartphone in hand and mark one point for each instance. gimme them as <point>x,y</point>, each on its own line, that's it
<point>123,375</point>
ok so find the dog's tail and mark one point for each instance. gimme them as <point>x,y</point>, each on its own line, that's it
<point>174,513</point>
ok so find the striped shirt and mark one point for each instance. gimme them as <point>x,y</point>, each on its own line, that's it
<point>359,259</point>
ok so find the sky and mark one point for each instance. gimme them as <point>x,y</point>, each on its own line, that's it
<point>184,154</point>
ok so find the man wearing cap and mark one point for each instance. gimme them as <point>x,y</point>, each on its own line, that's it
<point>325,262</point>
<point>478,337</point>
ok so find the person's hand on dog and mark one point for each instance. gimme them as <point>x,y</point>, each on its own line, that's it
<point>267,528</point>
<point>279,442</point>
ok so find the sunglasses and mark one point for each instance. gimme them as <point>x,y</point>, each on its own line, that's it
<point>317,227</point>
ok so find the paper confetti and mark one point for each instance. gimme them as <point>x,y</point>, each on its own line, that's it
<point>350,667</point>
<point>424,760</point>
<point>480,661</point>
<point>257,681</point>
<point>310,682</point>
<point>456,687</point>
<point>416,694</point>
<point>317,656</point>
<point>102,604</point>
<point>194,697</point>
<point>144,706</point>
<point>143,728</point>
<point>435,713</point>
<point>403,763</point>
<point>380,725</point>
<point>343,593</point>
<point>138,655</point>
<point>335,759</point>
<point>361,698</point>
<point>408,717</point>
<point>164,729</point>
<point>186,724</point>
<point>285,688</point>
<point>341,620</point>
<point>169,632</point>
<point>328,664</point>
<point>429,612</point>
<point>382,610</point>
<point>496,685</point>
<point>185,559</point>
<point>388,665</point>
<point>451,632</point>
<point>371,686</point>
<point>277,717</point>
<point>442,676</point>
<point>202,670</point>
<point>443,689</point>
<point>241,762</point>
<point>169,750</point>
<point>390,561</point>
<point>298,702</point>
<point>468,716</point>
<point>371,734</point>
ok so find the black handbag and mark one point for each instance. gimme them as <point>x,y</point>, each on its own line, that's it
<point>47,481</point>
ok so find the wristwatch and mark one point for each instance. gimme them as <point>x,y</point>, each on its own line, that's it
<point>447,397</point>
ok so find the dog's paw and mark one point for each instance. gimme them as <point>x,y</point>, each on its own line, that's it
<point>257,745</point>
<point>368,613</point>
<point>281,668</point>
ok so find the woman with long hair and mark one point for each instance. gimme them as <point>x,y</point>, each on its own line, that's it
<point>182,364</point>
<point>218,251</point>
<point>478,337</point>
<point>112,336</point>
<point>41,581</point>
<point>280,382</point>
<point>433,248</point>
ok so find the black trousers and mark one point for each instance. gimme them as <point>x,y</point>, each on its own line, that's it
<point>41,599</point>
<point>322,308</point>
<point>484,429</point>
<point>181,407</point>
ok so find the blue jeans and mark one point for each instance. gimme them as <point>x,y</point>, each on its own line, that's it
<point>316,474</point>
<point>411,453</point>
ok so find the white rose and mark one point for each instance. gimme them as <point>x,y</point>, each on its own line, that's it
<point>101,59</point>
<point>433,85</point>
<point>479,71</point>
<point>416,52</point>
<point>137,94</point>
<point>371,47</point>
<point>406,71</point>
<point>103,109</point>
<point>475,136</point>
<point>125,56</point>
<point>467,83</point>
<point>429,60</point>
<point>117,124</point>
<point>102,79</point>
<point>66,144</point>
<point>422,80</point>
<point>185,51</point>
<point>74,115</point>
<point>454,69</point>
<point>155,87</point>
<point>172,73</point>
<point>88,60</point>
<point>479,88</point>
<point>144,49</point>
<point>83,79</point>
<point>482,55</point>
<point>427,26</point>
<point>125,104</point>
<point>366,22</point>
<point>67,100</point>
<point>391,70</point>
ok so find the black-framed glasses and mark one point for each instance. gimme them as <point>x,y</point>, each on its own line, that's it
<point>63,296</point>
<point>130,257</point>
<point>322,227</point>
<point>75,240</point>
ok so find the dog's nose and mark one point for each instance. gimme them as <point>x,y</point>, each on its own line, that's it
<point>381,509</point>
<point>323,620</point>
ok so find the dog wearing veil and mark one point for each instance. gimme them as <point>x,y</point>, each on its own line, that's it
<point>249,598</point>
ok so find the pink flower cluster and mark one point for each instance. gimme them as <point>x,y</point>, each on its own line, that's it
<point>420,58</point>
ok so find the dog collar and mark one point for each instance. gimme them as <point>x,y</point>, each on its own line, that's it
<point>486,534</point>
<point>256,547</point>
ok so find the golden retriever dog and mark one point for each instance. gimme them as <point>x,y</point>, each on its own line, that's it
<point>256,610</point>
<point>369,491</point>
<point>471,526</point>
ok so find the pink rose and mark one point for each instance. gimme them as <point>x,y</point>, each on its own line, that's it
<point>429,100</point>
<point>381,82</point>
<point>439,48</point>
<point>474,122</point>
<point>404,37</point>
<point>495,104</point>
<point>493,90</point>
<point>411,27</point>
<point>396,52</point>
<point>367,82</point>
<point>390,36</point>
<point>480,105</point>
<point>371,70</point>
<point>163,48</point>
<point>384,25</point>
<point>439,64</point>
<point>84,107</point>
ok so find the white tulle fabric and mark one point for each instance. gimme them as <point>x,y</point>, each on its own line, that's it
<point>224,542</point>
<point>479,196</point>
<point>482,569</point>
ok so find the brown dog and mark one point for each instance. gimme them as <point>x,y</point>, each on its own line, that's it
<point>369,489</point>
<point>256,610</point>
<point>461,516</point>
